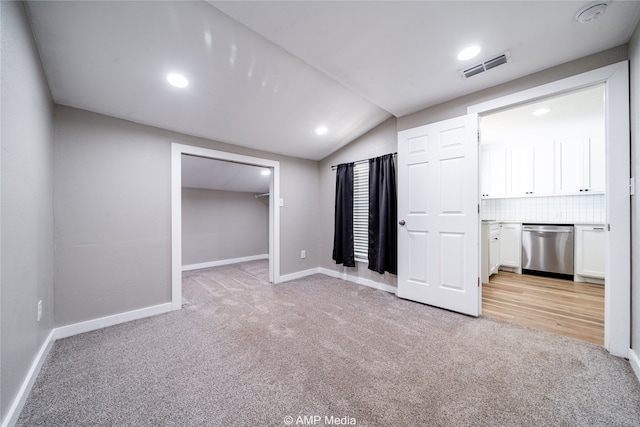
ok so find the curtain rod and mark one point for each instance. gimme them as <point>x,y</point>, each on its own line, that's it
<point>334,167</point>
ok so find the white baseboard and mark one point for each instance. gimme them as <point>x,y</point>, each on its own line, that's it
<point>223,262</point>
<point>298,275</point>
<point>359,280</point>
<point>331,273</point>
<point>16,407</point>
<point>634,360</point>
<point>103,322</point>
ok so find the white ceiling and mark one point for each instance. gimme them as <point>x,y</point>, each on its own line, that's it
<point>198,172</point>
<point>265,74</point>
<point>579,112</point>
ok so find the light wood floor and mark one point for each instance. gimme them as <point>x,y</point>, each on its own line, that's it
<point>561,306</point>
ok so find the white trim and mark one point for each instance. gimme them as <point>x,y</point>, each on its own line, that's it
<point>299,275</point>
<point>18,403</point>
<point>358,280</point>
<point>103,322</point>
<point>337,275</point>
<point>177,150</point>
<point>210,264</point>
<point>588,78</point>
<point>634,361</point>
<point>617,322</point>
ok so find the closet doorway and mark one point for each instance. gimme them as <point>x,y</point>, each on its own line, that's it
<point>238,168</point>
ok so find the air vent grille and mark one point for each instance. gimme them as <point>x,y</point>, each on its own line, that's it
<point>486,65</point>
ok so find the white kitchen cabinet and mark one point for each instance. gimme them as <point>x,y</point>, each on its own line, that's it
<point>511,247</point>
<point>490,237</point>
<point>589,253</point>
<point>493,172</point>
<point>494,248</point>
<point>580,164</point>
<point>530,170</point>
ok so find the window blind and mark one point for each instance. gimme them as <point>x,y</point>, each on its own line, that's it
<point>361,211</point>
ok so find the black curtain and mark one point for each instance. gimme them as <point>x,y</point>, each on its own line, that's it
<point>383,215</point>
<point>343,231</point>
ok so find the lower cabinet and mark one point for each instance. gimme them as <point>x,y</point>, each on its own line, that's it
<point>589,253</point>
<point>494,249</point>
<point>490,238</point>
<point>511,247</point>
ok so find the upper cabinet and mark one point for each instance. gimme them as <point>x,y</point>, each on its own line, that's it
<point>549,146</point>
<point>572,165</point>
<point>493,171</point>
<point>580,164</point>
<point>530,170</point>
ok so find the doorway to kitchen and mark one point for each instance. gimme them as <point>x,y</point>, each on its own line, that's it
<point>543,211</point>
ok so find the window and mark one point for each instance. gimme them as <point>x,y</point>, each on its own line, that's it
<point>361,211</point>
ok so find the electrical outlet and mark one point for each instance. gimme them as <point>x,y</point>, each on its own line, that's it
<point>39,310</point>
<point>303,254</point>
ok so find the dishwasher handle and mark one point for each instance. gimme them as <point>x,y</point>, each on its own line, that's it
<point>547,230</point>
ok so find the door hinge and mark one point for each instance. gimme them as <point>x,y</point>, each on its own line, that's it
<point>478,282</point>
<point>632,186</point>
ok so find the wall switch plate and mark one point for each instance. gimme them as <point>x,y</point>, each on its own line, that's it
<point>39,310</point>
<point>303,254</point>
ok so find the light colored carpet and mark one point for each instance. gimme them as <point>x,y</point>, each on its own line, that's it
<point>246,353</point>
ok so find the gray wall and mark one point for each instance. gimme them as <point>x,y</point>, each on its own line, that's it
<point>222,225</point>
<point>634,57</point>
<point>381,140</point>
<point>113,216</point>
<point>26,263</point>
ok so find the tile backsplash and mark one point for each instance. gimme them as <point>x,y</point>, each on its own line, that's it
<point>559,209</point>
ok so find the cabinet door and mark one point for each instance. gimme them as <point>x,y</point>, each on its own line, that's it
<point>590,251</point>
<point>494,254</point>
<point>570,165</point>
<point>596,163</point>
<point>520,171</point>
<point>543,169</point>
<point>511,245</point>
<point>493,165</point>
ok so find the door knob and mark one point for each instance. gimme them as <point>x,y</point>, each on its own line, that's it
<point>401,222</point>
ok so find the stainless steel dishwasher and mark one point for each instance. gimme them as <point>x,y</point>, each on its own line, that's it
<point>548,250</point>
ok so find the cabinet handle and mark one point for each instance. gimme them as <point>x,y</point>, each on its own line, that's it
<point>598,228</point>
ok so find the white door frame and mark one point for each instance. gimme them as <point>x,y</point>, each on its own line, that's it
<point>177,150</point>
<point>617,311</point>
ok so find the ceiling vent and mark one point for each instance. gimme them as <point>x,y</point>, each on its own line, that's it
<point>486,65</point>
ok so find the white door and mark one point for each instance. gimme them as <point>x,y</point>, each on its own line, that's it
<point>438,251</point>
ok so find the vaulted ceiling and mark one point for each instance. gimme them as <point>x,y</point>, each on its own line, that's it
<point>266,74</point>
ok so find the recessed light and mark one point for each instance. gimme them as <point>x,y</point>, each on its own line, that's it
<point>468,53</point>
<point>177,80</point>
<point>541,111</point>
<point>322,130</point>
<point>266,172</point>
